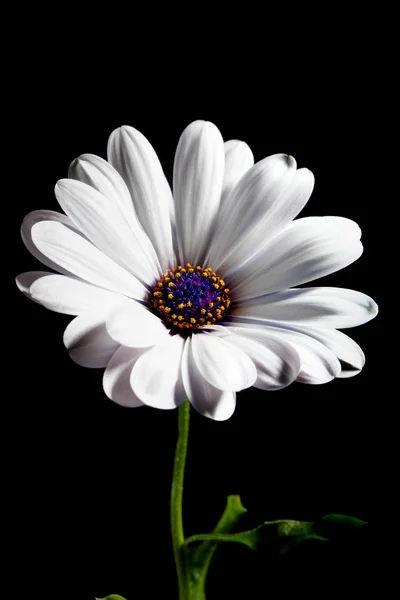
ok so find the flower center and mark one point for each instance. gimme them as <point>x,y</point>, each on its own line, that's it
<point>191,297</point>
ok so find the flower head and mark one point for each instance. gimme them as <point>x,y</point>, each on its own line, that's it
<point>194,294</point>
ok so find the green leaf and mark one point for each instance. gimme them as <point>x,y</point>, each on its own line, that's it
<point>112,597</point>
<point>337,526</point>
<point>233,511</point>
<point>198,558</point>
<point>282,536</point>
<point>277,537</point>
<point>273,537</point>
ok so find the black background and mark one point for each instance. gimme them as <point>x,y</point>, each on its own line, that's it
<point>89,480</point>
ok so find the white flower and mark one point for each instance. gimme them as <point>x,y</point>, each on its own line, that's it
<point>193,294</point>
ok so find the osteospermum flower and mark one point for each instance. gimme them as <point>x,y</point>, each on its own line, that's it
<point>192,294</point>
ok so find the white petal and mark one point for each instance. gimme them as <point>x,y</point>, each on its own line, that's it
<point>224,366</point>
<point>104,225</point>
<point>205,398</point>
<point>73,297</point>
<point>307,249</point>
<point>88,342</point>
<point>238,159</point>
<point>321,306</point>
<point>25,280</point>
<point>276,360</point>
<point>349,353</point>
<point>79,257</point>
<point>198,176</point>
<point>134,326</point>
<point>318,363</point>
<point>102,176</point>
<point>134,158</point>
<point>249,204</point>
<point>37,216</point>
<point>156,376</point>
<point>281,207</point>
<point>117,376</point>
<point>218,330</point>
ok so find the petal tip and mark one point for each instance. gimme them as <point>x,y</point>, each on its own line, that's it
<point>64,184</point>
<point>372,308</point>
<point>291,161</point>
<point>20,283</point>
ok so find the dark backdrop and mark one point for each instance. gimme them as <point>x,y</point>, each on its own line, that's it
<point>89,481</point>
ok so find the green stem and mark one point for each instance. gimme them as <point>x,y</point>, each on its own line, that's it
<point>178,538</point>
